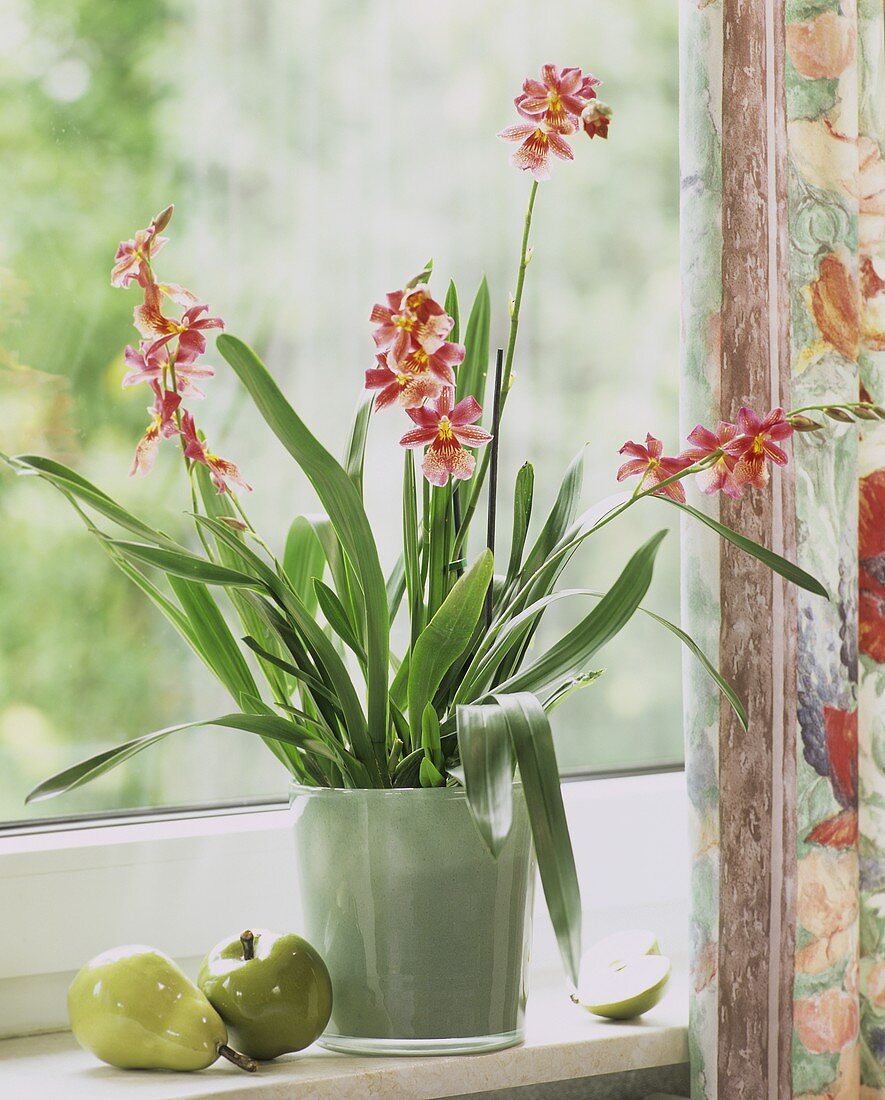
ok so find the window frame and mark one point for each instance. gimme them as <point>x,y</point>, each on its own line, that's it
<point>183,882</point>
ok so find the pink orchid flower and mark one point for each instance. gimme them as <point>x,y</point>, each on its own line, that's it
<point>756,443</point>
<point>133,257</point>
<point>533,155</point>
<point>410,319</point>
<point>446,431</point>
<point>410,389</point>
<point>557,99</point>
<point>162,425</point>
<point>150,321</point>
<point>720,476</point>
<point>146,365</point>
<point>220,470</point>
<point>653,466</point>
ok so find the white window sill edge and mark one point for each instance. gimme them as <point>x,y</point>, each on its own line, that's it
<point>563,1042</point>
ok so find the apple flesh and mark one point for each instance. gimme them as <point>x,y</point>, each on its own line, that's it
<point>623,975</point>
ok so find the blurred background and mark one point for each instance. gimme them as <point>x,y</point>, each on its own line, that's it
<point>317,152</point>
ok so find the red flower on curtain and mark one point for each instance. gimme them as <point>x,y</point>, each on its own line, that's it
<point>871,554</point>
<point>840,738</point>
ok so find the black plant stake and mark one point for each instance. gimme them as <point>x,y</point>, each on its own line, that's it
<point>458,564</point>
<point>493,476</point>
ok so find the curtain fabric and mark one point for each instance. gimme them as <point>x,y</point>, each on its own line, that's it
<point>783,255</point>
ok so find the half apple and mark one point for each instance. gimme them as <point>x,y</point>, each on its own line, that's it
<point>623,975</point>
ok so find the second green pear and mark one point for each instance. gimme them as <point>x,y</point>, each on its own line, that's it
<point>271,989</point>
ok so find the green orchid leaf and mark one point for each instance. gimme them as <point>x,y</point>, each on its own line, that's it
<point>561,515</point>
<point>473,371</point>
<point>523,494</point>
<point>265,726</point>
<point>532,741</point>
<point>715,675</point>
<point>396,586</point>
<point>568,657</point>
<point>337,618</point>
<point>446,637</point>
<point>70,482</point>
<point>451,307</point>
<point>355,452</point>
<point>430,736</point>
<point>181,563</point>
<point>309,679</point>
<point>428,774</point>
<point>217,645</point>
<point>342,503</point>
<point>487,762</point>
<point>775,562</point>
<point>570,687</point>
<point>304,559</point>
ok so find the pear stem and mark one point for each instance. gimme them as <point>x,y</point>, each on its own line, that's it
<point>248,942</point>
<point>238,1059</point>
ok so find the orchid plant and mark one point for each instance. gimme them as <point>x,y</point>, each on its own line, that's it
<point>309,665</point>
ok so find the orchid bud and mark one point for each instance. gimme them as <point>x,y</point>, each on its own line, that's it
<point>864,412</point>
<point>528,256</point>
<point>801,423</point>
<point>422,276</point>
<point>234,523</point>
<point>879,411</point>
<point>835,413</point>
<point>163,219</point>
<point>595,118</point>
<point>512,306</point>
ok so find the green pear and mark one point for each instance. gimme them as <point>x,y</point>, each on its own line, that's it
<point>133,1008</point>
<point>271,989</point>
<point>623,975</point>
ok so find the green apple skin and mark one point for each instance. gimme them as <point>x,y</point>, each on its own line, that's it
<point>133,1008</point>
<point>274,1003</point>
<point>634,1006</point>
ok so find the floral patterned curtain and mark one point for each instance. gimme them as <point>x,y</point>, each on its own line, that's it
<point>783,224</point>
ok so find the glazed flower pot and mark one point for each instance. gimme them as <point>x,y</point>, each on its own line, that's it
<point>425,934</point>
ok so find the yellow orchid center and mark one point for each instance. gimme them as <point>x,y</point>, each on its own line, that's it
<point>403,379</point>
<point>444,431</point>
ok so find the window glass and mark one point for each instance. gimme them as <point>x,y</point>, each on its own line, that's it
<point>317,154</point>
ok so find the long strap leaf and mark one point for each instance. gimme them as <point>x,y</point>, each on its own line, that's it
<point>342,502</point>
<point>533,743</point>
<point>523,494</point>
<point>355,452</point>
<point>472,372</point>
<point>568,657</point>
<point>487,762</point>
<point>561,515</point>
<point>181,563</point>
<point>267,726</point>
<point>446,637</point>
<point>70,482</point>
<point>775,562</point>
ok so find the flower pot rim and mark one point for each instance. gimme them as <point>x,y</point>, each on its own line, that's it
<point>458,793</point>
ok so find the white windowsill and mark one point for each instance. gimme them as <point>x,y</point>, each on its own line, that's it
<point>563,1043</point>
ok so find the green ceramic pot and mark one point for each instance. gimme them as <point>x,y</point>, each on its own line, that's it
<point>425,935</point>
